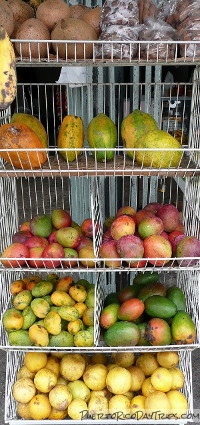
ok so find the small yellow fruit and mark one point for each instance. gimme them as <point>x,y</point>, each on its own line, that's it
<point>118,380</point>
<point>177,378</point>
<point>157,402</point>
<point>24,390</point>
<point>75,326</point>
<point>137,407</point>
<point>119,403</point>
<point>60,397</point>
<point>57,414</point>
<point>147,387</point>
<point>45,380</point>
<point>161,379</point>
<point>88,317</point>
<point>40,407</point>
<point>101,393</point>
<point>72,366</point>
<point>79,390</point>
<point>77,409</point>
<point>23,411</point>
<point>148,363</point>
<point>95,377</point>
<point>53,364</point>
<point>35,361</point>
<point>168,359</point>
<point>24,372</point>
<point>123,359</point>
<point>78,293</point>
<point>137,376</point>
<point>98,405</point>
<point>178,402</point>
<point>81,307</point>
<point>99,358</point>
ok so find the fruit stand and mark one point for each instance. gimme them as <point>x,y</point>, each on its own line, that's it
<point>99,232</point>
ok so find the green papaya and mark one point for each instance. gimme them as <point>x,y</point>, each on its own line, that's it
<point>102,133</point>
<point>177,296</point>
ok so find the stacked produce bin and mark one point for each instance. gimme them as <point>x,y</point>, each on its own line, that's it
<point>94,182</point>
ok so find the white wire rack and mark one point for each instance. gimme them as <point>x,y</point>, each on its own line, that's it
<point>169,104</point>
<point>25,198</point>
<point>15,360</point>
<point>106,53</point>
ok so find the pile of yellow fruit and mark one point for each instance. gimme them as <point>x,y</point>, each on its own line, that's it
<point>60,385</point>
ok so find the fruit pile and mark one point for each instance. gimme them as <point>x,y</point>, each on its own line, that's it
<point>145,313</point>
<point>78,386</point>
<point>52,312</point>
<point>47,237</point>
<point>156,231</point>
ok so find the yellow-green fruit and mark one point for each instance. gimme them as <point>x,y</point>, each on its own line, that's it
<point>137,378</point>
<point>168,359</point>
<point>62,381</point>
<point>39,335</point>
<point>52,323</point>
<point>53,364</point>
<point>148,363</point>
<point>118,380</point>
<point>95,377</point>
<point>101,393</point>
<point>23,411</point>
<point>35,361</point>
<point>24,390</point>
<point>161,379</point>
<point>72,366</point>
<point>45,380</point>
<point>22,300</point>
<point>75,326</point>
<point>78,293</point>
<point>24,372</point>
<point>157,402</point>
<point>40,307</point>
<point>60,298</point>
<point>40,407</point>
<point>123,359</point>
<point>60,397</point>
<point>29,317</point>
<point>158,139</point>
<point>88,317</point>
<point>102,133</point>
<point>147,387</point>
<point>68,313</point>
<point>98,405</point>
<point>8,76</point>
<point>81,307</point>
<point>138,406</point>
<point>77,409</point>
<point>178,403</point>
<point>119,403</point>
<point>134,126</point>
<point>34,124</point>
<point>177,378</point>
<point>79,390</point>
<point>13,320</point>
<point>71,136</point>
<point>83,339</point>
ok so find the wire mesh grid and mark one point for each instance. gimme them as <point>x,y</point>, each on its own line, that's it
<point>187,281</point>
<point>15,360</point>
<point>6,278</point>
<point>170,104</point>
<point>29,197</point>
<point>105,53</point>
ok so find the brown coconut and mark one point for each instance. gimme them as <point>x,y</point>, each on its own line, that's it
<point>50,12</point>
<point>93,18</point>
<point>73,29</point>
<point>77,11</point>
<point>32,29</point>
<point>21,12</point>
<point>6,17</point>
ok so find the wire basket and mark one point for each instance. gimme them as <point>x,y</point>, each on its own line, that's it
<point>170,105</point>
<point>15,360</point>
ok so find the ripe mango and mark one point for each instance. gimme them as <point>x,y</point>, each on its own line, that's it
<point>109,316</point>
<point>183,328</point>
<point>22,300</point>
<point>38,335</point>
<point>42,288</point>
<point>151,289</point>
<point>40,307</point>
<point>158,332</point>
<point>52,323</point>
<point>12,320</point>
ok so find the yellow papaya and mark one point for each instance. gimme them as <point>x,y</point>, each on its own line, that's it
<point>71,135</point>
<point>34,124</point>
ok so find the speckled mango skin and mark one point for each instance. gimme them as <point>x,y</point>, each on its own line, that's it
<point>134,126</point>
<point>71,135</point>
